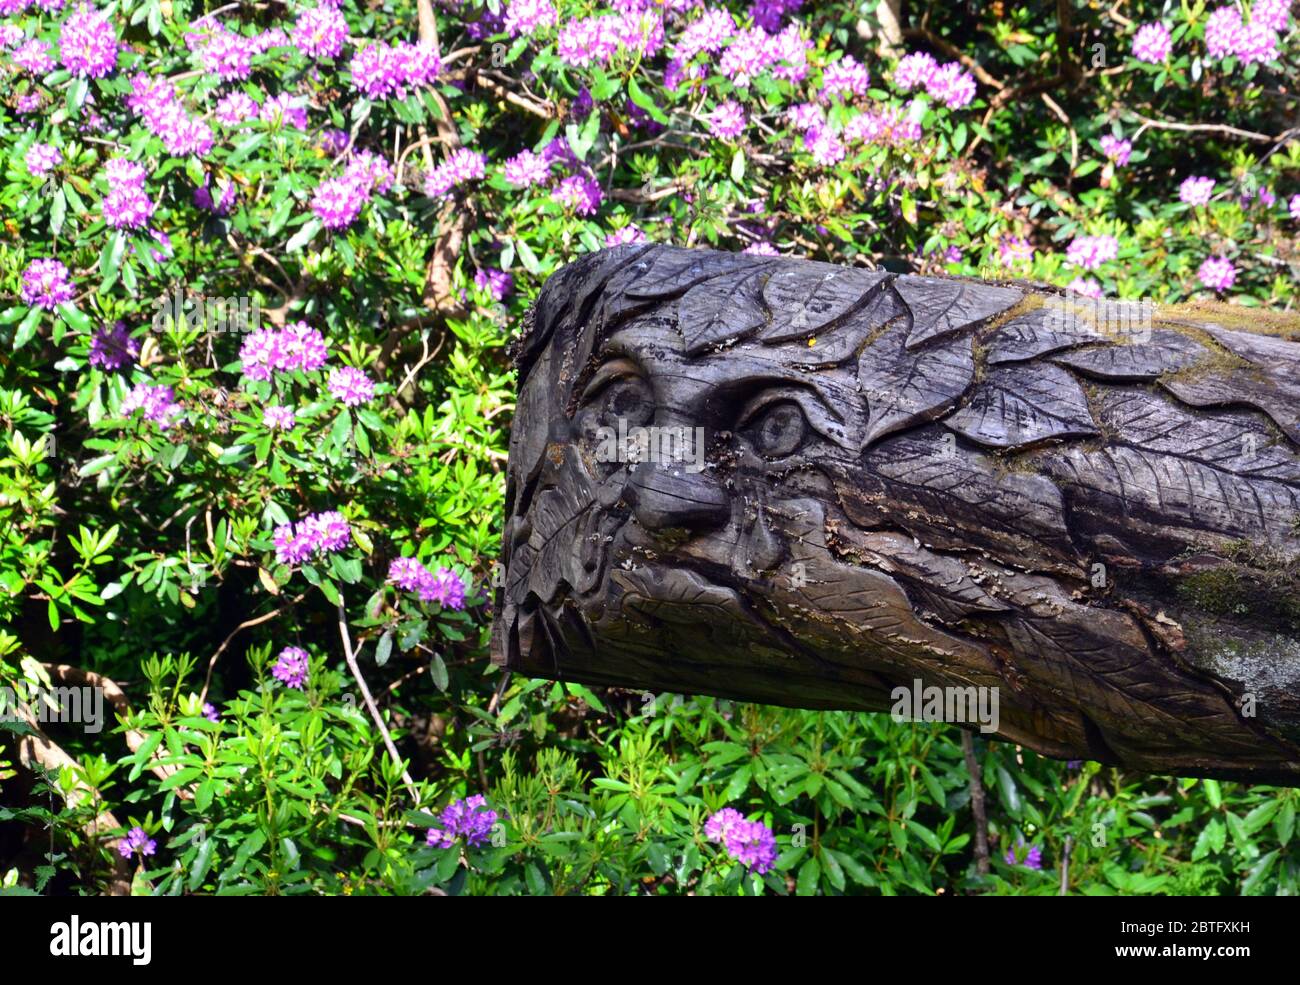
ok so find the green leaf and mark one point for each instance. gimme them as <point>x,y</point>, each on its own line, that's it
<point>738,166</point>
<point>438,671</point>
<point>809,874</point>
<point>384,648</point>
<point>303,236</point>
<point>27,328</point>
<point>649,105</point>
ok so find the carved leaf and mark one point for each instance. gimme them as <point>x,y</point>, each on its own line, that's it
<point>668,271</point>
<point>806,298</point>
<point>905,388</point>
<point>1038,333</point>
<point>1166,352</point>
<point>1022,405</point>
<point>719,311</point>
<point>941,306</point>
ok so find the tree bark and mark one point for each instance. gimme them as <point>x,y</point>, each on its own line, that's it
<point>790,482</point>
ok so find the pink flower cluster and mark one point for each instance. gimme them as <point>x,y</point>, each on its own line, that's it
<point>845,76</point>
<point>41,159</point>
<point>462,166</point>
<point>632,233</point>
<point>1090,252</point>
<point>598,39</point>
<point>351,386</point>
<point>320,32</point>
<point>1256,40</point>
<point>1217,273</point>
<point>46,284</point>
<point>528,16</point>
<point>751,843</point>
<point>727,121</point>
<point>319,533</point>
<point>295,348</point>
<point>526,169</point>
<point>1196,191</point>
<point>579,193</point>
<point>292,667</point>
<point>157,402</point>
<point>382,71</point>
<point>442,586</point>
<point>1152,43</point>
<point>113,348</point>
<point>1116,149</point>
<point>127,205</point>
<point>154,101</point>
<point>88,44</point>
<point>949,83</point>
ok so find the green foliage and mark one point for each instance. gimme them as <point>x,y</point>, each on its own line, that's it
<point>143,545</point>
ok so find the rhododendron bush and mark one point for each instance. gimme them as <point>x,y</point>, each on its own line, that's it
<point>260,267</point>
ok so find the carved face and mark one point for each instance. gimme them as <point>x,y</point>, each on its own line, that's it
<point>803,484</point>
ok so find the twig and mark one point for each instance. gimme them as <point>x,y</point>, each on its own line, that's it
<point>977,804</point>
<point>1065,865</point>
<point>1222,128</point>
<point>378,719</point>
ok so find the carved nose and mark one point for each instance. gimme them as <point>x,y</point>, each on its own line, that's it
<point>670,496</point>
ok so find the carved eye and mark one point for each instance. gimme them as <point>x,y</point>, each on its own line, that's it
<point>778,430</point>
<point>618,392</point>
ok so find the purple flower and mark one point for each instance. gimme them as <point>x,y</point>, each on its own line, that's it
<point>278,418</point>
<point>767,14</point>
<point>462,166</point>
<point>1116,149</point>
<point>1294,207</point>
<point>45,284</point>
<point>1015,249</point>
<point>806,116</point>
<point>42,158</point>
<point>284,110</point>
<point>1273,14</point>
<point>583,195</point>
<point>381,70</point>
<point>914,70</point>
<point>442,586</point>
<point>727,121</point>
<point>320,32</point>
<point>526,169</point>
<point>372,171</point>
<point>1085,287</point>
<point>297,348</point>
<point>469,818</point>
<point>498,283</point>
<point>121,173</point>
<point>952,85</point>
<point>127,207</point>
<point>747,56</point>
<point>158,403</point>
<point>292,668</point>
<point>632,233</point>
<point>751,843</point>
<point>1217,273</point>
<point>709,33</point>
<point>235,108</point>
<point>113,348</point>
<point>136,841</point>
<point>337,202</point>
<point>824,146</point>
<point>845,76</point>
<point>762,249</point>
<point>1223,32</point>
<point>33,57</point>
<point>528,16</point>
<point>88,44</point>
<point>333,141</point>
<point>1031,858</point>
<point>1196,191</point>
<point>351,386</point>
<point>1090,252</point>
<point>224,53</point>
<point>210,712</point>
<point>1152,43</point>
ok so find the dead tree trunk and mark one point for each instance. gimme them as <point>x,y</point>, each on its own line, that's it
<point>790,482</point>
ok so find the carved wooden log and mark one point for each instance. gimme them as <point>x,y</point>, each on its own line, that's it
<point>1090,508</point>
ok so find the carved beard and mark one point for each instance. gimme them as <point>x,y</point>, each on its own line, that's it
<point>882,499</point>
